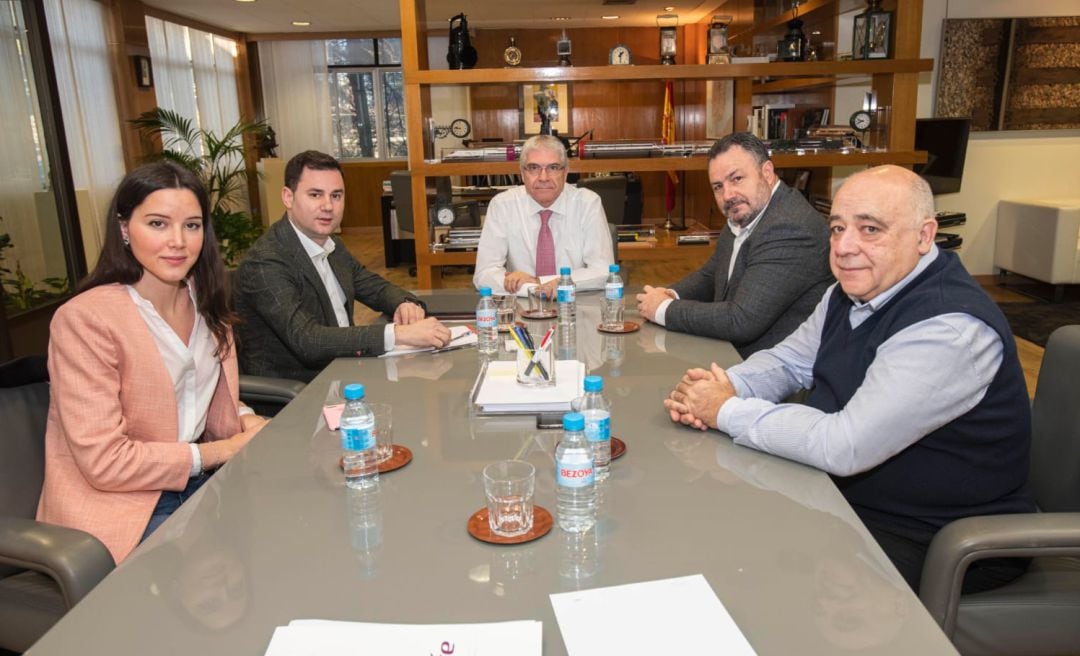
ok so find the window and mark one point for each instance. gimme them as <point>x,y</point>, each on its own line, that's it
<point>367,98</point>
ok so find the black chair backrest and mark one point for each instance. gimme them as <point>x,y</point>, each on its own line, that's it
<point>612,192</point>
<point>401,187</point>
<point>24,408</point>
<point>1055,425</point>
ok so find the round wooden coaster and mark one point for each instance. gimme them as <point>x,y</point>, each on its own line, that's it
<point>538,314</point>
<point>618,448</point>
<point>479,528</point>
<point>402,456</point>
<point>628,327</point>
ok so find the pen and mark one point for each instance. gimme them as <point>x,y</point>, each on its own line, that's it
<point>538,353</point>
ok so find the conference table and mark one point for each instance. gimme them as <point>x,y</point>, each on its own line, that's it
<point>275,535</point>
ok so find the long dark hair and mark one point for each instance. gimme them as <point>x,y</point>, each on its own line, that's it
<point>117,264</point>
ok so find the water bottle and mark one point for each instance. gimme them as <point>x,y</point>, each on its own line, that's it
<point>575,480</point>
<point>597,413</point>
<point>487,326</point>
<point>567,298</point>
<point>613,300</point>
<point>358,440</point>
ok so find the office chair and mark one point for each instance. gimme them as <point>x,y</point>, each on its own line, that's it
<point>44,569</point>
<point>1038,613</point>
<point>612,192</point>
<point>466,213</point>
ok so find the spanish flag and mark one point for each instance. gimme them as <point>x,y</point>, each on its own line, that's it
<point>667,136</point>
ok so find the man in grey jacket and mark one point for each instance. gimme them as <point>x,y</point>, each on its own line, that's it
<point>770,267</point>
<point>295,288</point>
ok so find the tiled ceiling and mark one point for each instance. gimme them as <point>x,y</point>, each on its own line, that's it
<point>265,16</point>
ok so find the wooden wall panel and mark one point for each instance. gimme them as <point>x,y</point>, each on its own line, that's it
<point>363,191</point>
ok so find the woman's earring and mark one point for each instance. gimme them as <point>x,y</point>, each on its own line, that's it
<point>125,239</point>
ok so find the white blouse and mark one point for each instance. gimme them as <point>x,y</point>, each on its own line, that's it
<point>193,368</point>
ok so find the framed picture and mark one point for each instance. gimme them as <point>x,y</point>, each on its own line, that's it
<point>144,73</point>
<point>858,36</point>
<point>880,32</point>
<point>556,97</point>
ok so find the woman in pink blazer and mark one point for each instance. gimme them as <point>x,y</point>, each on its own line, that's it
<point>144,399</point>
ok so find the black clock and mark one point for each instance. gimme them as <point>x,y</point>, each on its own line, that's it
<point>861,120</point>
<point>460,128</point>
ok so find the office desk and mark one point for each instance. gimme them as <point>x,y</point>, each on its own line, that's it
<point>273,537</point>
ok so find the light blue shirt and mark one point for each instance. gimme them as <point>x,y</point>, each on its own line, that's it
<point>921,378</point>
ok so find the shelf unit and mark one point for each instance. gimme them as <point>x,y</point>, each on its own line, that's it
<point>894,80</point>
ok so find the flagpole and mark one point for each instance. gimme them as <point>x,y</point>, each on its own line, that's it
<point>667,136</point>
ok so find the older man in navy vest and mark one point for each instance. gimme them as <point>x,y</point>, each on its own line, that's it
<point>917,407</point>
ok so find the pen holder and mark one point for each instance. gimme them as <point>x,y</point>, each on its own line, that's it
<point>536,365</point>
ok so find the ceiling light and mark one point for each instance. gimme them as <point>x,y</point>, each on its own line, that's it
<point>245,0</point>
<point>301,23</point>
<point>602,17</point>
<point>669,8</point>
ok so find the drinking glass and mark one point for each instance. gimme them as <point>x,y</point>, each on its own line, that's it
<point>509,486</point>
<point>384,430</point>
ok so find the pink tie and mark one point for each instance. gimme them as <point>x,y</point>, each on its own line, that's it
<point>545,247</point>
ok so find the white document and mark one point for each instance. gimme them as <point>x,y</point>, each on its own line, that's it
<point>671,616</point>
<point>460,337</point>
<point>499,390</point>
<point>330,638</point>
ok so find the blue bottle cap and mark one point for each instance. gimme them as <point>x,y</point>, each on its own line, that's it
<point>573,421</point>
<point>613,268</point>
<point>565,271</point>
<point>353,391</point>
<point>485,291</point>
<point>594,383</point>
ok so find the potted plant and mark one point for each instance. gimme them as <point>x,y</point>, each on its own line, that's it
<point>219,163</point>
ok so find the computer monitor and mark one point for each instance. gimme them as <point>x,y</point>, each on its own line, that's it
<point>945,142</point>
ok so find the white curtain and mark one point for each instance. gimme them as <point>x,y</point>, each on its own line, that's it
<point>79,38</point>
<point>174,78</point>
<point>23,167</point>
<point>296,94</point>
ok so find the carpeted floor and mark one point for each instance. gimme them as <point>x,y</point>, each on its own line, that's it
<point>1035,321</point>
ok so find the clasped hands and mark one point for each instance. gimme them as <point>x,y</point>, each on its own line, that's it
<point>515,280</point>
<point>698,397</point>
<point>648,302</point>
<point>411,328</point>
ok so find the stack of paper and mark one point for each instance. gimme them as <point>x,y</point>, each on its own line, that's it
<point>498,392</point>
<point>671,616</point>
<point>329,638</point>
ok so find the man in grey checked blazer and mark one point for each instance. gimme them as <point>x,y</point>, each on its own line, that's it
<point>295,288</point>
<point>781,261</point>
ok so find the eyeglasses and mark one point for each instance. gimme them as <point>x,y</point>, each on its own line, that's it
<point>552,169</point>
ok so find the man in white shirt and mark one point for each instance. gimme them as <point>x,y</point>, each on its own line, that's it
<point>533,230</point>
<point>295,288</point>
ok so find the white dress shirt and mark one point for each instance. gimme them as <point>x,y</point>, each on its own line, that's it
<point>578,228</point>
<point>921,378</point>
<point>193,368</point>
<point>319,255</point>
<point>741,235</point>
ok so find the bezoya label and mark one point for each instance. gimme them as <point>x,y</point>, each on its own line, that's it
<point>613,291</point>
<point>575,471</point>
<point>357,439</point>
<point>486,318</point>
<point>566,294</point>
<point>598,430</point>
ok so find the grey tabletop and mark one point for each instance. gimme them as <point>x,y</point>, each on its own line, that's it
<point>276,536</point>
